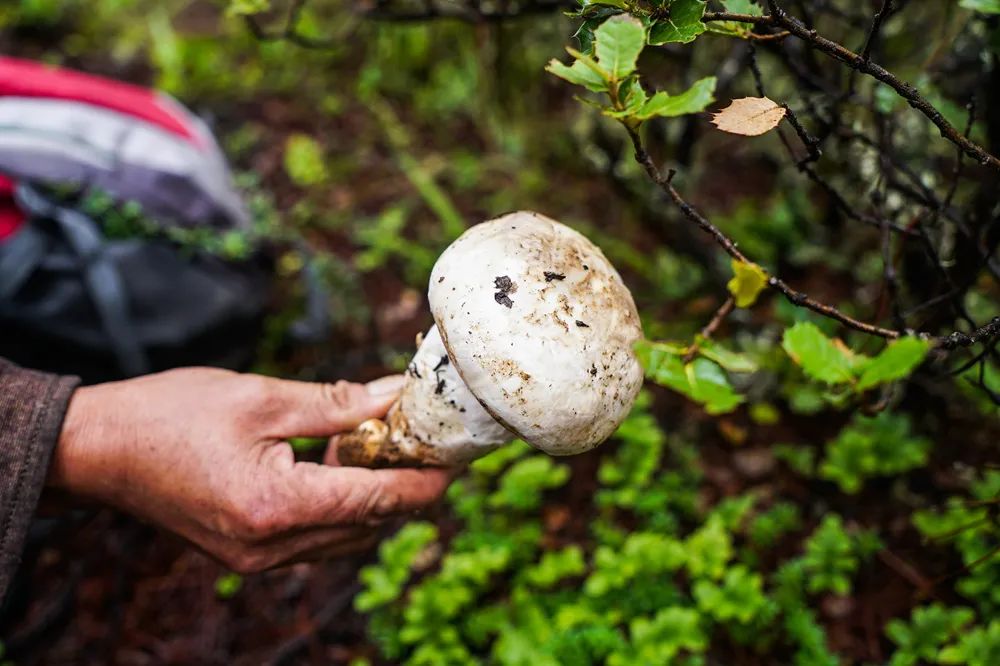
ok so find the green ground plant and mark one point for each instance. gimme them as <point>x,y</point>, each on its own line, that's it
<point>780,466</point>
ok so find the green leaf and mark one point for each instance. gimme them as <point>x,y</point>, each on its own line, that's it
<point>930,627</point>
<point>579,74</point>
<point>819,357</point>
<point>556,565</point>
<point>703,381</point>
<point>593,15</point>
<point>660,638</point>
<point>979,646</point>
<point>635,96</point>
<point>587,6</point>
<point>748,281</point>
<point>620,40</point>
<point>873,446</point>
<point>693,100</point>
<point>740,597</point>
<point>727,358</point>
<point>708,550</point>
<point>984,6</point>
<point>742,7</point>
<point>710,386</point>
<point>896,361</point>
<point>830,559</point>
<point>682,26</point>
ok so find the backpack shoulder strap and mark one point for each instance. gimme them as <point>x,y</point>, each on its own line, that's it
<point>99,273</point>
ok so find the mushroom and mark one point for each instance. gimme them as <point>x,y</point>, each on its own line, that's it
<point>533,338</point>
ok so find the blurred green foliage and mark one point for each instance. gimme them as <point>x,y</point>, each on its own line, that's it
<point>384,147</point>
<point>658,592</point>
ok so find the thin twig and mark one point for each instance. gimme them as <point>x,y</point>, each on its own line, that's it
<point>876,71</point>
<point>711,327</point>
<point>949,342</point>
<point>873,33</point>
<point>797,298</point>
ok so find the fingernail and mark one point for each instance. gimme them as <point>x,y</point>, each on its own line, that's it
<point>385,386</point>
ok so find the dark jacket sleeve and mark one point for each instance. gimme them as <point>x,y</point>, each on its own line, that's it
<point>32,407</point>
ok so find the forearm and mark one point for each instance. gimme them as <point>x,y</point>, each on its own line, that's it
<point>32,408</point>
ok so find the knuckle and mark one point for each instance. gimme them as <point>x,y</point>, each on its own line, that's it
<point>371,505</point>
<point>340,396</point>
<point>255,520</point>
<point>257,390</point>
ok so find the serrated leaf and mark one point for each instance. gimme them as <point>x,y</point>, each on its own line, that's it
<point>818,356</point>
<point>683,25</point>
<point>895,362</point>
<point>693,100</point>
<point>749,116</point>
<point>579,73</point>
<point>619,41</point>
<point>748,281</point>
<point>593,16</point>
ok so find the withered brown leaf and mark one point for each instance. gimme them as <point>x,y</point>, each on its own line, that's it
<point>750,116</point>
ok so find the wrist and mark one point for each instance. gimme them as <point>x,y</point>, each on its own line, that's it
<point>83,462</point>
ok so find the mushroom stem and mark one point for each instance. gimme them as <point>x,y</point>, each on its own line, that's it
<point>436,421</point>
<point>370,445</point>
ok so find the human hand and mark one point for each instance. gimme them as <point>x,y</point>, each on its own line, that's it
<point>203,453</point>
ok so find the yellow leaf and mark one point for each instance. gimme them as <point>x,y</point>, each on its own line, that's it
<point>748,281</point>
<point>750,116</point>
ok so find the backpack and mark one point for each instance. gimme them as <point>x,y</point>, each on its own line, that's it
<point>74,300</point>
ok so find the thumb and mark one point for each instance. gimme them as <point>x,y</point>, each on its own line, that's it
<point>321,410</point>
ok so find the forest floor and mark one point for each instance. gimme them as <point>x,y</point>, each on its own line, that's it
<point>104,588</point>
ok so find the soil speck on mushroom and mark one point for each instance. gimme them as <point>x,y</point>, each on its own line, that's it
<point>504,287</point>
<point>582,324</point>
<point>552,275</point>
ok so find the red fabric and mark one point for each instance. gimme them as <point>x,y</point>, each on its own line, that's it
<point>24,78</point>
<point>11,216</point>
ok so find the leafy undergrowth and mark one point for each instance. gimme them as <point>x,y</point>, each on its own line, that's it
<point>784,493</point>
<point>648,572</point>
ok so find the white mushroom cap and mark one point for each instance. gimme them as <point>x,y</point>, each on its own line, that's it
<point>540,327</point>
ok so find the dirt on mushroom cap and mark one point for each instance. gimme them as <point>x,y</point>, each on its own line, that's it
<point>509,297</point>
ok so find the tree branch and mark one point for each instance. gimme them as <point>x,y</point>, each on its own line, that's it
<point>861,63</point>
<point>795,297</point>
<point>876,71</point>
<point>949,342</point>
